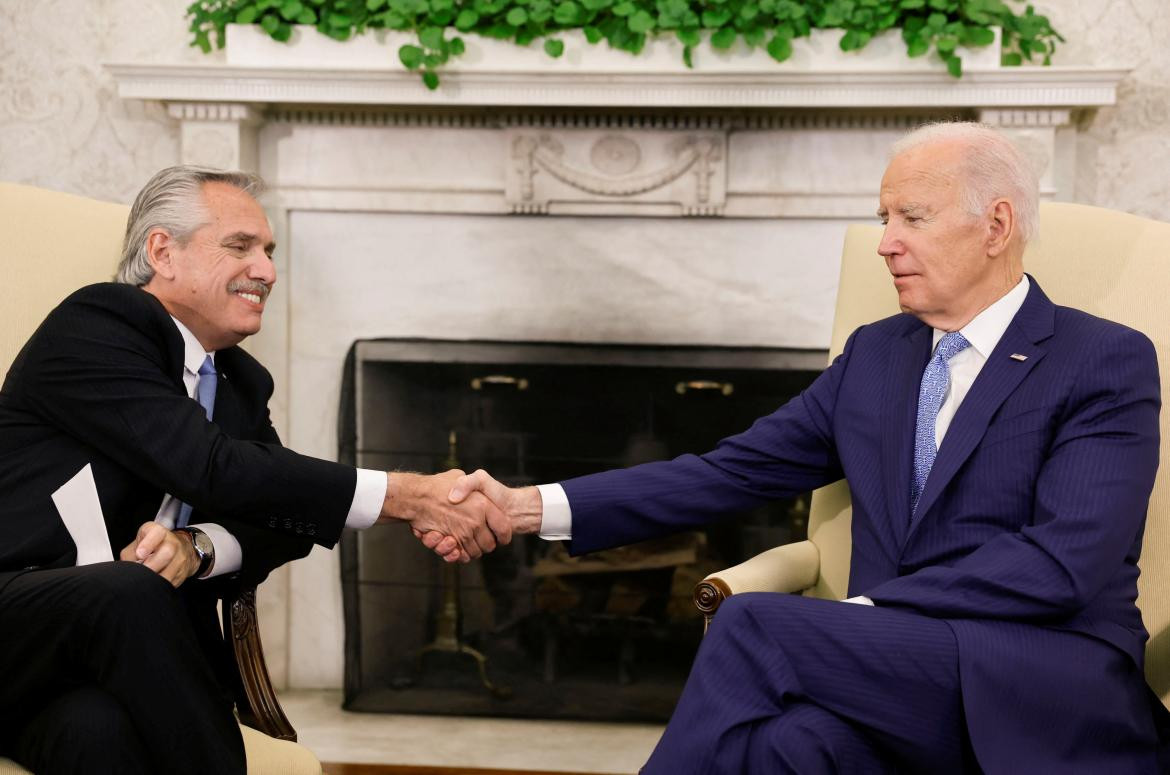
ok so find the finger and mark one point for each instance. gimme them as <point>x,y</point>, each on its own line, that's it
<point>484,539</point>
<point>161,557</point>
<point>417,533</point>
<point>150,538</point>
<point>480,480</point>
<point>432,538</point>
<point>176,571</point>
<point>499,524</point>
<point>446,546</point>
<point>128,554</point>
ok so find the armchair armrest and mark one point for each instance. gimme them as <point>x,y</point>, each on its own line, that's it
<point>256,703</point>
<point>786,568</point>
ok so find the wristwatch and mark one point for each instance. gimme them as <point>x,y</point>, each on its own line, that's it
<point>204,549</point>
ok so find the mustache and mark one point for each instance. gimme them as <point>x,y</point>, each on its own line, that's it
<point>249,286</point>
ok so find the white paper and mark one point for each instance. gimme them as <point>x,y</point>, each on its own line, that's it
<point>81,511</point>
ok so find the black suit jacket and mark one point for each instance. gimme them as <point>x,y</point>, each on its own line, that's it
<point>101,382</point>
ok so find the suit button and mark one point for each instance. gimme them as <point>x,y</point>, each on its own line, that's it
<point>311,530</point>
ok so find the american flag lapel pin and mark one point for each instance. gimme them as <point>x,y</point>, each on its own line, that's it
<point>1018,357</point>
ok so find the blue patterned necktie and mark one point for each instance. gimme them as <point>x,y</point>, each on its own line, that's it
<point>935,379</point>
<point>205,395</point>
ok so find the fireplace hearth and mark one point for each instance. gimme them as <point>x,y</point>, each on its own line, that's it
<point>529,631</point>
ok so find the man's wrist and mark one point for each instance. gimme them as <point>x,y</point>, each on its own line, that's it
<point>402,493</point>
<point>201,551</point>
<point>527,510</point>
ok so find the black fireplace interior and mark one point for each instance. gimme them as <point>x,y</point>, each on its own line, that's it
<point>528,631</point>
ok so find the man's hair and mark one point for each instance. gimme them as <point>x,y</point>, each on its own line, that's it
<point>172,200</point>
<point>993,166</point>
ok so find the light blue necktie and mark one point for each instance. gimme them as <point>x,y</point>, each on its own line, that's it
<point>935,379</point>
<point>205,395</point>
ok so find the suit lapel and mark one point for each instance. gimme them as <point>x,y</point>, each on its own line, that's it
<point>908,358</point>
<point>998,378</point>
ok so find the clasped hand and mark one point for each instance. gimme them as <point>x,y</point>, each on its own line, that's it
<point>461,516</point>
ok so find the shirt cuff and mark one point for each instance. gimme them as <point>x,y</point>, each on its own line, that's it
<point>368,496</point>
<point>556,521</point>
<point>228,554</point>
<point>859,600</point>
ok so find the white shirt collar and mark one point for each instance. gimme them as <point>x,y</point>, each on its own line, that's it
<point>986,329</point>
<point>193,352</point>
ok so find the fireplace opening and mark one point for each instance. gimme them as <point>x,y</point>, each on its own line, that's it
<point>528,631</point>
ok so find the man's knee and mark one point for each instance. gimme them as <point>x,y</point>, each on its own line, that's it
<point>807,739</point>
<point>83,731</point>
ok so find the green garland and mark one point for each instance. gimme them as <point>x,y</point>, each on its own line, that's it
<point>941,25</point>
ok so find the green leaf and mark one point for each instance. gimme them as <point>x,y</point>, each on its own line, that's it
<point>202,42</point>
<point>410,56</point>
<point>754,36</point>
<point>954,66</point>
<point>592,34</point>
<point>689,36</point>
<point>641,21</point>
<point>1012,59</point>
<point>780,48</point>
<point>569,14</point>
<point>374,5</point>
<point>246,15</point>
<point>431,79</point>
<point>713,18</point>
<point>917,46</point>
<point>291,9</point>
<point>308,16</point>
<point>431,37</point>
<point>466,19</point>
<point>516,17</point>
<point>456,46</point>
<point>554,48</point>
<point>283,32</point>
<point>270,23</point>
<point>912,5</point>
<point>624,8</point>
<point>978,36</point>
<point>724,38</point>
<point>687,59</point>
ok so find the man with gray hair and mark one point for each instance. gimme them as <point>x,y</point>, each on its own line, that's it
<point>1000,451</point>
<point>140,388</point>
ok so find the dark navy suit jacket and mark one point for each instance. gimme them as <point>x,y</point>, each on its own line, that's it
<point>1027,534</point>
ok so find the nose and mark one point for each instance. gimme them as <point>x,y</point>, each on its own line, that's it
<point>890,245</point>
<point>262,268</point>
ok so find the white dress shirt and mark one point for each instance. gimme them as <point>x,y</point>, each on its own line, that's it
<point>983,332</point>
<point>363,510</point>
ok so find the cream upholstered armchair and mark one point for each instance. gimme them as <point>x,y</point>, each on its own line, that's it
<point>51,244</point>
<point>1111,264</point>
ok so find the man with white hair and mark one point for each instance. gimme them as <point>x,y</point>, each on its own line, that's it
<point>141,386</point>
<point>1000,451</point>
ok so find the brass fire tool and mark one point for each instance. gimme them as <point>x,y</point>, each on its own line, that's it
<point>449,623</point>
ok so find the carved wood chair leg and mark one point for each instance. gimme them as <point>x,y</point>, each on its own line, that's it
<point>256,702</point>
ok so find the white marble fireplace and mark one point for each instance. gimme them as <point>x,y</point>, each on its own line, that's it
<point>647,205</point>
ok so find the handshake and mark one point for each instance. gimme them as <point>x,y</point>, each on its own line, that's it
<point>461,516</point>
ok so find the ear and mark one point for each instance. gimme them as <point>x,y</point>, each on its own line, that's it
<point>158,252</point>
<point>1001,225</point>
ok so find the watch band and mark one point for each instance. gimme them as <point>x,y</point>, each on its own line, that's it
<point>204,549</point>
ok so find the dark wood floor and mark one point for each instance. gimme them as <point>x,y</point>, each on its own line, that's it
<point>332,768</point>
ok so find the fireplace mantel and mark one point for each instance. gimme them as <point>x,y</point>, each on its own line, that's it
<point>1031,87</point>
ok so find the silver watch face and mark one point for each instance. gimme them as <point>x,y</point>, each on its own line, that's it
<point>202,543</point>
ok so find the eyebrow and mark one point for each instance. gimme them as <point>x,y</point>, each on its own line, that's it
<point>905,209</point>
<point>249,238</point>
